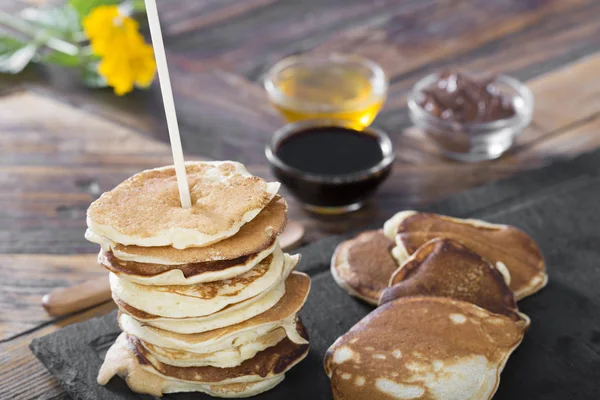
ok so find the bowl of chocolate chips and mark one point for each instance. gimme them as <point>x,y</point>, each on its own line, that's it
<point>471,118</point>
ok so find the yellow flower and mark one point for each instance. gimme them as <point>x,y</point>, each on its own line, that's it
<point>127,60</point>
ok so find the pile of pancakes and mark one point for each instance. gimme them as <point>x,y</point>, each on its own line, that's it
<point>447,319</point>
<point>208,301</point>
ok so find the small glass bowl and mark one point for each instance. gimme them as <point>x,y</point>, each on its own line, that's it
<point>472,142</point>
<point>329,194</point>
<point>335,86</point>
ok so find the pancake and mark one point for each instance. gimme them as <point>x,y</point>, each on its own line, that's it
<point>253,237</point>
<point>445,268</point>
<point>230,315</point>
<point>282,315</point>
<point>266,364</point>
<point>121,360</point>
<point>430,348</point>
<point>186,274</point>
<point>224,196</point>
<point>205,298</point>
<point>227,358</point>
<point>362,266</point>
<point>502,245</point>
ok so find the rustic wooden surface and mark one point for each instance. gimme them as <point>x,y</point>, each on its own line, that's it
<point>62,144</point>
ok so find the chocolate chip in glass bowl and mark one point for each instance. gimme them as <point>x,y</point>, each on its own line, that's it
<point>456,97</point>
<point>471,118</point>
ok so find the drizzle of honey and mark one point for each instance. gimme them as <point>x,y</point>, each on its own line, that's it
<point>339,92</point>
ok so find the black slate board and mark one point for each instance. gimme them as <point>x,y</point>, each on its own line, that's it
<point>559,358</point>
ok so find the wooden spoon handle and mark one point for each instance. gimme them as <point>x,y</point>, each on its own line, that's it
<point>63,301</point>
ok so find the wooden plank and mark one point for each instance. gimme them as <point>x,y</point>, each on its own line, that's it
<point>563,99</point>
<point>31,118</point>
<point>22,376</point>
<point>401,35</point>
<point>581,138</point>
<point>403,42</point>
<point>180,17</point>
<point>262,32</point>
<point>56,160</point>
<point>26,278</point>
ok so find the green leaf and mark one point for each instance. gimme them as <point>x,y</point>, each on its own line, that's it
<point>61,21</point>
<point>15,54</point>
<point>91,77</point>
<point>138,5</point>
<point>9,43</point>
<point>62,59</point>
<point>84,7</point>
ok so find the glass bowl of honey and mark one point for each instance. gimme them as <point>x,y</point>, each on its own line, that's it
<point>335,87</point>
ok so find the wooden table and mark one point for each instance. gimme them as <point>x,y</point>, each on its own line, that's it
<point>61,144</point>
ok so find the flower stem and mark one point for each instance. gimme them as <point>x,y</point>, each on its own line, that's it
<point>38,35</point>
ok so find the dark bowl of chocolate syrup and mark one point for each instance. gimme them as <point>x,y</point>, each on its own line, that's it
<point>328,166</point>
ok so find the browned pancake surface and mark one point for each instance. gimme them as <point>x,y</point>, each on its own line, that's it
<point>415,342</point>
<point>209,290</point>
<point>444,267</point>
<point>506,244</point>
<point>269,362</point>
<point>275,336</point>
<point>255,236</point>
<point>154,195</point>
<point>143,315</point>
<point>297,287</point>
<point>122,360</point>
<point>135,312</point>
<point>363,265</point>
<point>113,264</point>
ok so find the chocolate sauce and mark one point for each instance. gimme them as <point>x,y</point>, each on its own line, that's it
<point>331,166</point>
<point>456,97</point>
<point>330,151</point>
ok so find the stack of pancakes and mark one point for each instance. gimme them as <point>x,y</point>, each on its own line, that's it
<point>447,319</point>
<point>208,301</point>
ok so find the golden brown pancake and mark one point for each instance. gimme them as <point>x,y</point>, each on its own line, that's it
<point>445,268</point>
<point>208,290</point>
<point>363,265</point>
<point>113,264</point>
<point>240,307</point>
<point>253,237</point>
<point>230,315</point>
<point>499,244</point>
<point>137,313</point>
<point>226,358</point>
<point>431,348</point>
<point>235,308</point>
<point>179,301</point>
<point>143,378</point>
<point>297,289</point>
<point>224,197</point>
<point>273,361</point>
